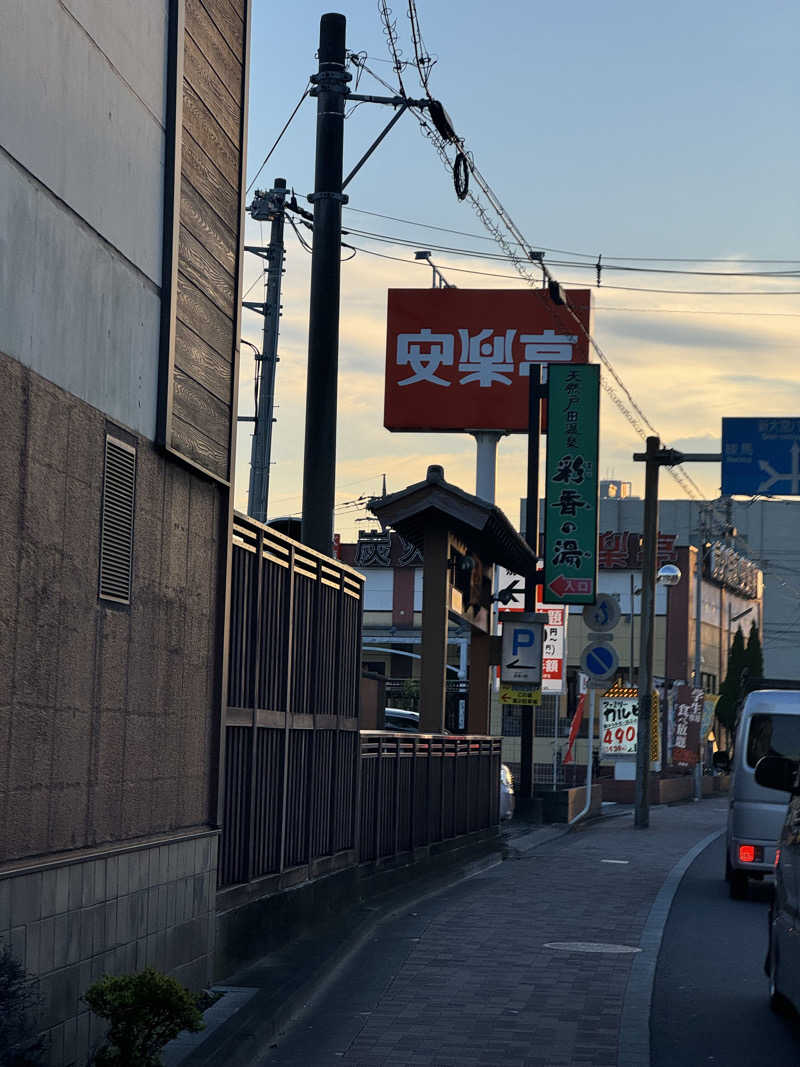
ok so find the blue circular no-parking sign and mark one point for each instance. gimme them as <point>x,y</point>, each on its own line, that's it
<point>599,661</point>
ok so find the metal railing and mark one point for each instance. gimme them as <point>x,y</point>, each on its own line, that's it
<point>418,789</point>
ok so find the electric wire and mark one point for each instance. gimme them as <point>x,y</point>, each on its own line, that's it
<point>306,91</point>
<point>563,251</point>
<point>618,393</point>
<point>607,266</point>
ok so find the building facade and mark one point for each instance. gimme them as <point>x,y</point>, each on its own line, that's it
<point>121,168</point>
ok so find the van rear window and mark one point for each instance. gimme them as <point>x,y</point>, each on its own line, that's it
<point>773,735</point>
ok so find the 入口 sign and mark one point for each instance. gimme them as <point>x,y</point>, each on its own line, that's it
<point>460,359</point>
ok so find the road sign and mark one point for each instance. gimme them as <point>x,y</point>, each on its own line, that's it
<point>570,557</point>
<point>761,457</point>
<point>520,694</point>
<point>522,649</point>
<point>599,662</point>
<point>603,615</point>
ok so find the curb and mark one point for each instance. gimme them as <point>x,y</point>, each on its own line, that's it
<point>634,1036</point>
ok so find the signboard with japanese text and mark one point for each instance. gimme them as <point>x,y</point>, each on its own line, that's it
<point>621,550</point>
<point>689,705</point>
<point>460,359</point>
<point>570,556</point>
<point>517,694</point>
<point>761,457</point>
<point>619,725</point>
<point>554,675</point>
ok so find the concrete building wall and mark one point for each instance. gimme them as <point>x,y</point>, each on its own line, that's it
<point>106,711</point>
<point>767,532</point>
<point>73,919</point>
<point>81,197</point>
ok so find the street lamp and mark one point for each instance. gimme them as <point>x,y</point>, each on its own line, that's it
<point>668,575</point>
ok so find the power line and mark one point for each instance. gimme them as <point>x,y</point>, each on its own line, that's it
<point>280,135</point>
<point>606,266</point>
<point>568,252</point>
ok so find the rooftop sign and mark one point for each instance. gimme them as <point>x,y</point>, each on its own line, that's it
<point>460,359</point>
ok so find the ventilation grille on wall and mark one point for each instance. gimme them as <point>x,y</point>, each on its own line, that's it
<point>116,534</point>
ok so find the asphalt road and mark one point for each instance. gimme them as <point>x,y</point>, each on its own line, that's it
<point>710,999</point>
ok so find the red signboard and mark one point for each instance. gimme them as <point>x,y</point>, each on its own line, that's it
<point>460,359</point>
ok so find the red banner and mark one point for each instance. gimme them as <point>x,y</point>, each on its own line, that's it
<point>460,359</point>
<point>573,730</point>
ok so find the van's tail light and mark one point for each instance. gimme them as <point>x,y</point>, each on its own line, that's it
<point>777,856</point>
<point>751,854</point>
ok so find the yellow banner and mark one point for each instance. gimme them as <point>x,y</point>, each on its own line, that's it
<point>517,694</point>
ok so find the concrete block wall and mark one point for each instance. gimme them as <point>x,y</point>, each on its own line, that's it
<point>114,912</point>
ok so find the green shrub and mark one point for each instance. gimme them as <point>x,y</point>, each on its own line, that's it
<point>144,1011</point>
<point>19,1044</point>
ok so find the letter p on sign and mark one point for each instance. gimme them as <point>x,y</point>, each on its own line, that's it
<point>522,639</point>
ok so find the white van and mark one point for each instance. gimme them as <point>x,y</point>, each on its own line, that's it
<point>769,726</point>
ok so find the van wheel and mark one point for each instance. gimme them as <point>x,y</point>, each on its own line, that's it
<point>727,866</point>
<point>738,885</point>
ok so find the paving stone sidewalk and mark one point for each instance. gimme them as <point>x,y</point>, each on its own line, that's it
<point>471,977</point>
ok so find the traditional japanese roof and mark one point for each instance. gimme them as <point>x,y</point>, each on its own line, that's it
<point>481,524</point>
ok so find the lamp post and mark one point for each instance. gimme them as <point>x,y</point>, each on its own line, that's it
<point>668,576</point>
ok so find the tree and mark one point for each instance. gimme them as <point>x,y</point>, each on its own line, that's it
<point>727,708</point>
<point>145,1011</point>
<point>755,657</point>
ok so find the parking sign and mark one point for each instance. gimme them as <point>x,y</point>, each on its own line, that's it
<point>522,649</point>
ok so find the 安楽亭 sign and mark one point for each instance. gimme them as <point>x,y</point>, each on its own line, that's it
<point>570,560</point>
<point>460,359</point>
<point>761,457</point>
<point>522,649</point>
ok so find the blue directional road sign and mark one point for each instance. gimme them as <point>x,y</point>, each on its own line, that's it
<point>761,457</point>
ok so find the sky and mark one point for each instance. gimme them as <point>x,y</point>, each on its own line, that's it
<point>657,133</point>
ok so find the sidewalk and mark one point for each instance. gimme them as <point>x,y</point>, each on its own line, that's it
<point>544,959</point>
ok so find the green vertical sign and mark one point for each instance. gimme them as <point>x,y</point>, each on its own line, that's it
<point>570,524</point>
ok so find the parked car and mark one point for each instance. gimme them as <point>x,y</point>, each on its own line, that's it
<point>506,792</point>
<point>400,719</point>
<point>769,726</point>
<point>782,777</point>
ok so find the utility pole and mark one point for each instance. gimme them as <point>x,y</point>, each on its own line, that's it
<point>654,458</point>
<point>535,394</point>
<point>267,206</point>
<point>649,561</point>
<point>319,467</point>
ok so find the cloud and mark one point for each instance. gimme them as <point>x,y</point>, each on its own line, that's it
<point>685,365</point>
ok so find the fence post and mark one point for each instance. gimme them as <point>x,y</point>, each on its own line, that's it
<point>252,685</point>
<point>289,630</point>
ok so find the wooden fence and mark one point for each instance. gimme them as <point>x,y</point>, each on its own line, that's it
<point>304,792</point>
<point>419,789</point>
<point>291,726</point>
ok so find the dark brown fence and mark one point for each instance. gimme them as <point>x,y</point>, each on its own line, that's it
<point>291,726</point>
<point>304,792</point>
<point>419,789</point>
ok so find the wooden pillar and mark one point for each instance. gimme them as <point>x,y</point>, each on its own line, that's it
<point>478,705</point>
<point>434,630</point>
